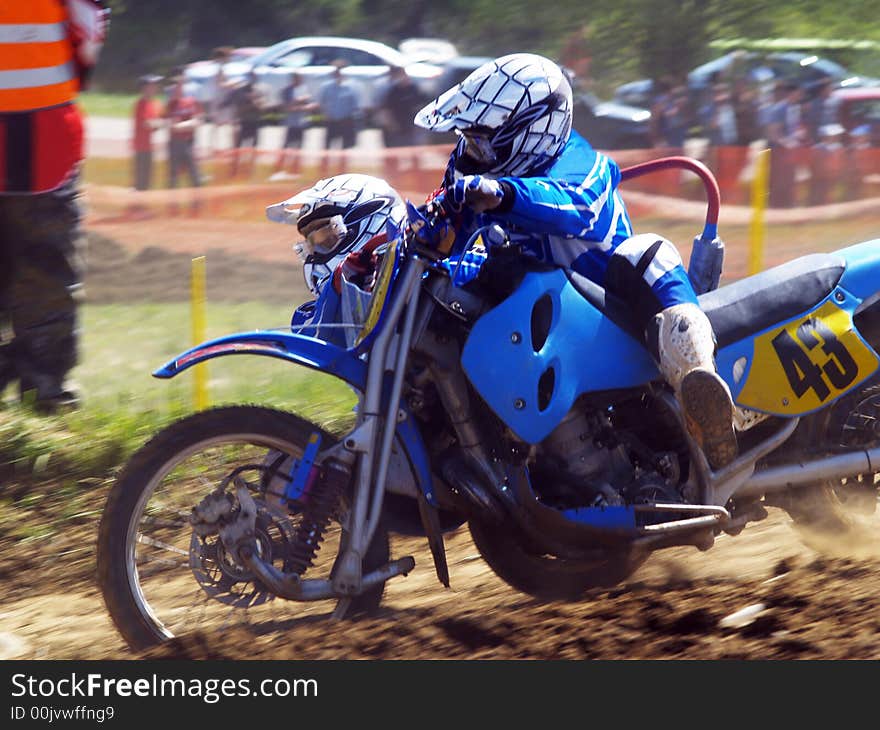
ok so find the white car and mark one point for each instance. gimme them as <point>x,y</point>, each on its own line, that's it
<point>367,63</point>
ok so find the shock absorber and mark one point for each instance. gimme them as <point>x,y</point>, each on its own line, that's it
<point>320,503</point>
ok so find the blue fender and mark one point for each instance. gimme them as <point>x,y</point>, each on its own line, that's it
<point>299,349</point>
<point>314,354</point>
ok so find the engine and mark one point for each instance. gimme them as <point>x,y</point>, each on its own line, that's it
<point>589,460</point>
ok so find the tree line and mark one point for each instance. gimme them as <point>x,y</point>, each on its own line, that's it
<point>626,39</point>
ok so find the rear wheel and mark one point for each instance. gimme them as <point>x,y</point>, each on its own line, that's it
<point>548,577</point>
<point>159,578</point>
<point>832,515</point>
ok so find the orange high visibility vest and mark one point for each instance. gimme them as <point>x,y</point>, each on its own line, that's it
<point>37,68</point>
<point>41,136</point>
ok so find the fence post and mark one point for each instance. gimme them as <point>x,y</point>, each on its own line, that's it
<point>197,317</point>
<point>759,203</point>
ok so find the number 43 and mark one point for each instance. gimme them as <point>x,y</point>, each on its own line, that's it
<point>803,374</point>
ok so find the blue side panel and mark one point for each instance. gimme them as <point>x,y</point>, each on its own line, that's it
<point>728,356</point>
<point>862,275</point>
<point>584,350</point>
<point>299,349</point>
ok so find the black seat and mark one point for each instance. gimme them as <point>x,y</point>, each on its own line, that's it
<point>744,307</point>
<point>753,304</point>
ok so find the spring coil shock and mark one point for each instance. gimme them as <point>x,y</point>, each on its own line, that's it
<point>319,509</point>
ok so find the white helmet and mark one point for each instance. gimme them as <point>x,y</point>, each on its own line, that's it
<point>513,114</point>
<point>337,215</point>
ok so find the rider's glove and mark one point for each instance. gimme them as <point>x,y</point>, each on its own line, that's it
<point>477,192</point>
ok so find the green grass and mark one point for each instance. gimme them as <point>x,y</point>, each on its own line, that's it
<point>99,104</point>
<point>123,405</point>
<point>55,471</point>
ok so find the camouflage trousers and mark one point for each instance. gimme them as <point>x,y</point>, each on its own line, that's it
<point>42,262</point>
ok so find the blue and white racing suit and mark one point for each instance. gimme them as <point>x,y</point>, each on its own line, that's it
<point>572,216</point>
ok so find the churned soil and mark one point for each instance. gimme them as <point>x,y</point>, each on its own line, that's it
<point>761,595</point>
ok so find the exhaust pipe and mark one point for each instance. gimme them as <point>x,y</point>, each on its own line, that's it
<point>294,588</point>
<point>777,478</point>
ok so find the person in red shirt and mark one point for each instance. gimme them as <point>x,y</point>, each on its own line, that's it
<point>148,115</point>
<point>184,114</point>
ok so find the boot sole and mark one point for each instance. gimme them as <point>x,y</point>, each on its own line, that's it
<point>709,411</point>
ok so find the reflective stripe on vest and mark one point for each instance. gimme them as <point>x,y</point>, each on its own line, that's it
<point>34,77</point>
<point>37,68</point>
<point>32,33</point>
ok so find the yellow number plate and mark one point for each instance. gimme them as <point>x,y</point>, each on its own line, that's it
<point>380,293</point>
<point>801,366</point>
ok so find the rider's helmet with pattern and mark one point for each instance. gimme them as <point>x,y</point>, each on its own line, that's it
<point>337,216</point>
<point>513,116</point>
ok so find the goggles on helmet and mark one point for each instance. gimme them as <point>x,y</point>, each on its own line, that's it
<point>323,237</point>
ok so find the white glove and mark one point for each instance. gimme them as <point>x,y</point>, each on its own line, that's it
<point>477,192</point>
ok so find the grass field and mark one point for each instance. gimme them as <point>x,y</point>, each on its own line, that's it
<point>124,405</point>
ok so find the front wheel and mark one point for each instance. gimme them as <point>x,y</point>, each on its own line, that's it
<point>160,579</point>
<point>548,577</point>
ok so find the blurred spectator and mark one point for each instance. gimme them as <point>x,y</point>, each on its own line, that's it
<point>819,111</point>
<point>247,104</point>
<point>721,119</point>
<point>338,99</point>
<point>795,129</point>
<point>671,116</point>
<point>861,161</point>
<point>399,105</point>
<point>184,114</point>
<point>218,89</point>
<point>781,123</point>
<point>148,114</point>
<point>746,111</point>
<point>826,164</point>
<point>41,146</point>
<point>297,104</point>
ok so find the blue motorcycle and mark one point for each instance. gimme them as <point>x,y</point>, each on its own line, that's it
<point>522,403</point>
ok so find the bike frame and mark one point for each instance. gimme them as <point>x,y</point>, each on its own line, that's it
<point>381,415</point>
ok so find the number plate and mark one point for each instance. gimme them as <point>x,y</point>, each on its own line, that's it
<point>380,292</point>
<point>803,365</point>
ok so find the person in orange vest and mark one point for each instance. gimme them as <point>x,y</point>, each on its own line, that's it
<point>47,51</point>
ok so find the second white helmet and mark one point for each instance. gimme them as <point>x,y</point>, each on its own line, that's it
<point>337,215</point>
<point>514,116</point>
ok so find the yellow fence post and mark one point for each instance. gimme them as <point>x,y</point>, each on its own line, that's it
<point>760,188</point>
<point>197,311</point>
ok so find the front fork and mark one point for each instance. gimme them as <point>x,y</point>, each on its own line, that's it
<point>371,440</point>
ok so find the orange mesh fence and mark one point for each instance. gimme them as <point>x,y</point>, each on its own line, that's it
<point>241,183</point>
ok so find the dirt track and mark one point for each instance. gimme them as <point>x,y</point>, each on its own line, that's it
<point>671,608</point>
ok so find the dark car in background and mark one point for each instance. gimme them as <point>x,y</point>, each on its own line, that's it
<point>858,111</point>
<point>803,69</point>
<point>609,125</point>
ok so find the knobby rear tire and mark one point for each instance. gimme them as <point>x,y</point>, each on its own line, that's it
<point>547,577</point>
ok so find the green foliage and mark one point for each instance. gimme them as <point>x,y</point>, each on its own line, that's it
<point>627,38</point>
